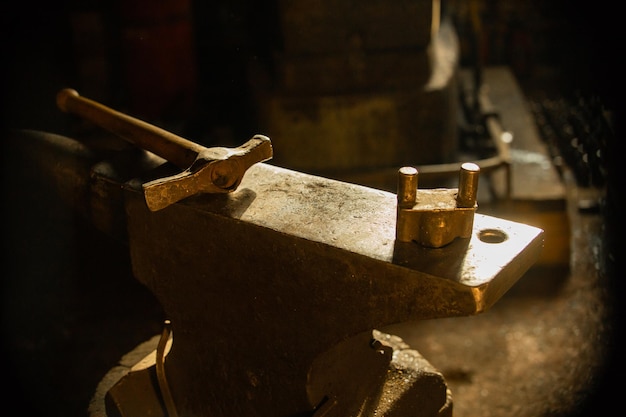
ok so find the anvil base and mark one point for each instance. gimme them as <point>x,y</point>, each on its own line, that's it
<point>411,386</point>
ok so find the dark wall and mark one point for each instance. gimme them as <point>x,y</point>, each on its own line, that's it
<point>185,63</point>
<point>182,64</point>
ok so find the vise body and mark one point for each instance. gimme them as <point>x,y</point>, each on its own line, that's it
<point>276,292</point>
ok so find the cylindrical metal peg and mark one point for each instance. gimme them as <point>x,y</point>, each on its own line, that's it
<point>407,187</point>
<point>468,185</point>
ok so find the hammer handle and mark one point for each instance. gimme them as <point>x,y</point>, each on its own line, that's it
<point>177,150</point>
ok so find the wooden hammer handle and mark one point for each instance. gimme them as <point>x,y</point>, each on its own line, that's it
<point>177,150</point>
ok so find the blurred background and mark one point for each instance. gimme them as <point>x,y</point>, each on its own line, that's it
<point>219,72</point>
<point>192,66</point>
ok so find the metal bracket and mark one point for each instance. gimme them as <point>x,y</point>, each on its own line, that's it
<point>436,217</point>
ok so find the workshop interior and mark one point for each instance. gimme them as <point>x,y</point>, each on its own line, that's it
<point>313,208</point>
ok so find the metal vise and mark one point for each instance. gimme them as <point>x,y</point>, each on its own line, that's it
<point>276,290</point>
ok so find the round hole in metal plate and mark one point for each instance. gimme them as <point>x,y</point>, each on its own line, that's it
<point>492,236</point>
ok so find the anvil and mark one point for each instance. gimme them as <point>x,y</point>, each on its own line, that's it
<point>275,292</point>
<point>260,285</point>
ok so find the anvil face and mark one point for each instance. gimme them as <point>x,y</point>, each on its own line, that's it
<point>260,282</point>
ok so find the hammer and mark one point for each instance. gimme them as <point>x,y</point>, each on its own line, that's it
<point>204,170</point>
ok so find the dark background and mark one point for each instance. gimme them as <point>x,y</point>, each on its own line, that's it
<point>199,82</point>
<point>64,319</point>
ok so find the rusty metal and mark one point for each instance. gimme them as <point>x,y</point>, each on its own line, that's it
<point>436,217</point>
<point>205,170</point>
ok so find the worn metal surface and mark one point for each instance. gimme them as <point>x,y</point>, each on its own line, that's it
<point>205,170</point>
<point>286,250</point>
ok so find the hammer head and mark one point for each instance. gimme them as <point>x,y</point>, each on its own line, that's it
<point>215,170</point>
